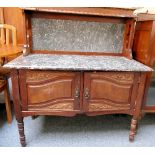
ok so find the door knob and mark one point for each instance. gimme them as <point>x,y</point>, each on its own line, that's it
<point>86,93</point>
<point>77,93</point>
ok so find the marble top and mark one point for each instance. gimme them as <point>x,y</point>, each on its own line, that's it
<point>76,62</point>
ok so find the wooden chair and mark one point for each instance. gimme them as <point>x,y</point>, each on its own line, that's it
<point>5,34</point>
<point>7,38</point>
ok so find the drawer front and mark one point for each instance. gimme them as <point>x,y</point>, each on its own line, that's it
<point>50,91</point>
<point>109,91</point>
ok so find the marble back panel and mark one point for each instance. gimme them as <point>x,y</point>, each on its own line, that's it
<point>69,35</point>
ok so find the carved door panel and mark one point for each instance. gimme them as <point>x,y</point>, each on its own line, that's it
<point>109,91</point>
<point>50,90</point>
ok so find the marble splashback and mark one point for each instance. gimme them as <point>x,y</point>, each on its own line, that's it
<point>69,35</point>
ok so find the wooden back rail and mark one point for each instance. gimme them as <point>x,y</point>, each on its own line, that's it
<point>5,34</point>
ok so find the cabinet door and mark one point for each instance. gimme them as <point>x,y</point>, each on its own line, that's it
<point>109,92</point>
<point>50,90</point>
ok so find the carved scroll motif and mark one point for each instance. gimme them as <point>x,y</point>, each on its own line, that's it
<point>61,106</point>
<point>121,77</point>
<point>44,75</point>
<point>105,106</point>
<point>54,107</point>
<point>37,76</point>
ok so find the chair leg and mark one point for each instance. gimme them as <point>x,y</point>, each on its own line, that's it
<point>7,104</point>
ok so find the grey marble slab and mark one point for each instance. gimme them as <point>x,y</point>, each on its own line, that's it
<point>69,35</point>
<point>76,62</point>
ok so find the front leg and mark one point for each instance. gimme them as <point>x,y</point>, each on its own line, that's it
<point>133,129</point>
<point>21,132</point>
<point>138,105</point>
<point>17,105</point>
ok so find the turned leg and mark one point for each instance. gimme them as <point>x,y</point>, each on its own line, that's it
<point>21,133</point>
<point>133,129</point>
